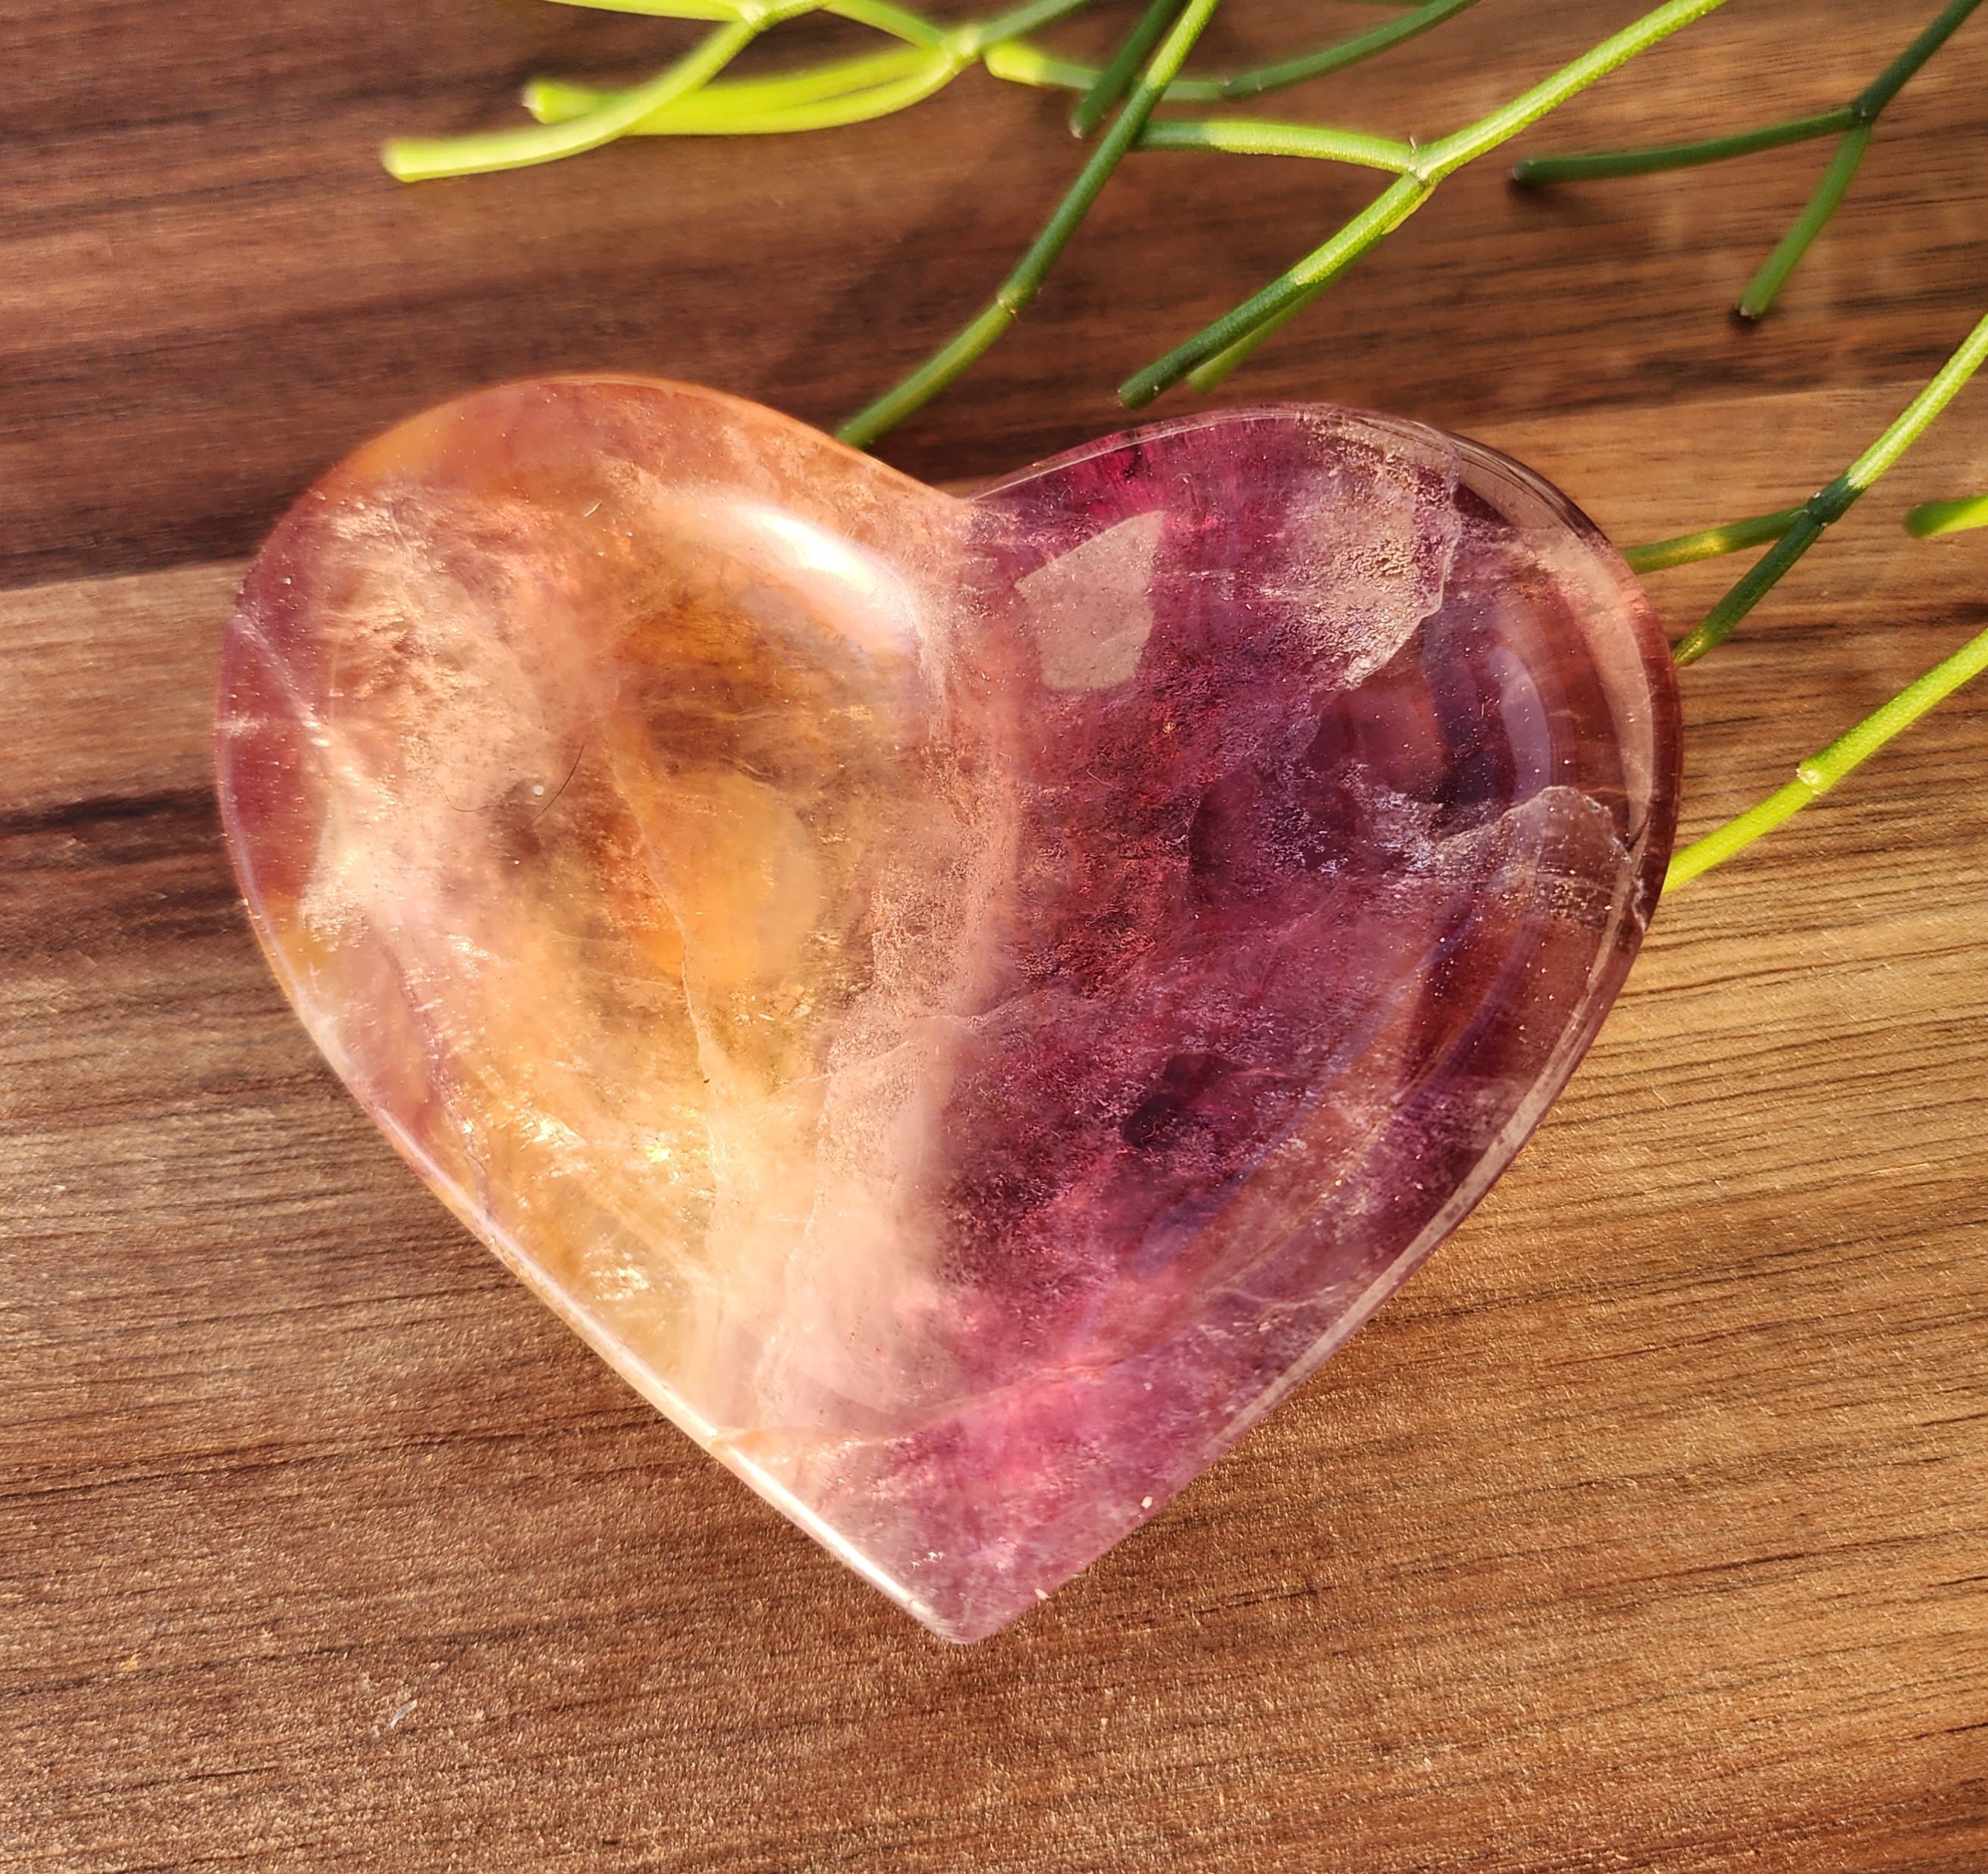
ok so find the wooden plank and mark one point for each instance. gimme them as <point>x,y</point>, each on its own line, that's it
<point>1644,1530</point>
<point>207,290</point>
<point>1647,1521</point>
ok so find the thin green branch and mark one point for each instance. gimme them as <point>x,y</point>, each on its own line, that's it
<point>683,101</point>
<point>1111,84</point>
<point>1595,166</point>
<point>976,38</point>
<point>1213,352</point>
<point>1872,100</point>
<point>1710,542</point>
<point>1030,65</point>
<point>1754,584</point>
<point>1822,770</point>
<point>552,101</point>
<point>664,9</point>
<point>1763,287</point>
<point>750,108</point>
<point>1918,416</point>
<point>900,22</point>
<point>1250,136</point>
<point>1337,57</point>
<point>1022,284</point>
<point>1017,63</point>
<point>1932,519</point>
<point>1829,504</point>
<point>1216,351</point>
<point>1501,125</point>
<point>1853,122</point>
<point>420,159</point>
<point>936,71</point>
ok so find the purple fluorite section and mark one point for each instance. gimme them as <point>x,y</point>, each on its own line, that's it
<point>999,991</point>
<point>1319,903</point>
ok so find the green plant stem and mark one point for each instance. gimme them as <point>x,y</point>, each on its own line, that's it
<point>1111,84</point>
<point>899,22</point>
<point>746,110</point>
<point>1019,63</point>
<point>1022,284</point>
<point>1250,136</point>
<point>1822,770</point>
<point>1030,65</point>
<point>1596,165</point>
<point>550,100</point>
<point>979,36</point>
<point>1865,108</point>
<point>682,100</point>
<point>1829,504</point>
<point>1015,62</point>
<point>664,9</point>
<point>1932,519</point>
<point>420,159</point>
<point>1337,57</point>
<point>1593,165</point>
<point>1762,577</point>
<point>1854,123</point>
<point>1762,289</point>
<point>934,72</point>
<point>1709,542</point>
<point>1216,351</point>
<point>1889,82</point>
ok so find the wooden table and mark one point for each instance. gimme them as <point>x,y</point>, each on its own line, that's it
<point>1647,1528</point>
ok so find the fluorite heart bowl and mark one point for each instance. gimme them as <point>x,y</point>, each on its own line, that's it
<point>964,1003</point>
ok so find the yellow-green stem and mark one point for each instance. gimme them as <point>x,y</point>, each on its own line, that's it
<point>1250,136</point>
<point>550,100</point>
<point>1709,542</point>
<point>1823,770</point>
<point>1932,519</point>
<point>420,159</point>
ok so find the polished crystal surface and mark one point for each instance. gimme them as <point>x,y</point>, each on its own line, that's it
<point>964,1004</point>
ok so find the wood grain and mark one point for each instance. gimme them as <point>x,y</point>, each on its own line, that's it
<point>1645,1530</point>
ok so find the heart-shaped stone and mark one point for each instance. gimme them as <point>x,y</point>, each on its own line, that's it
<point>964,1003</point>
